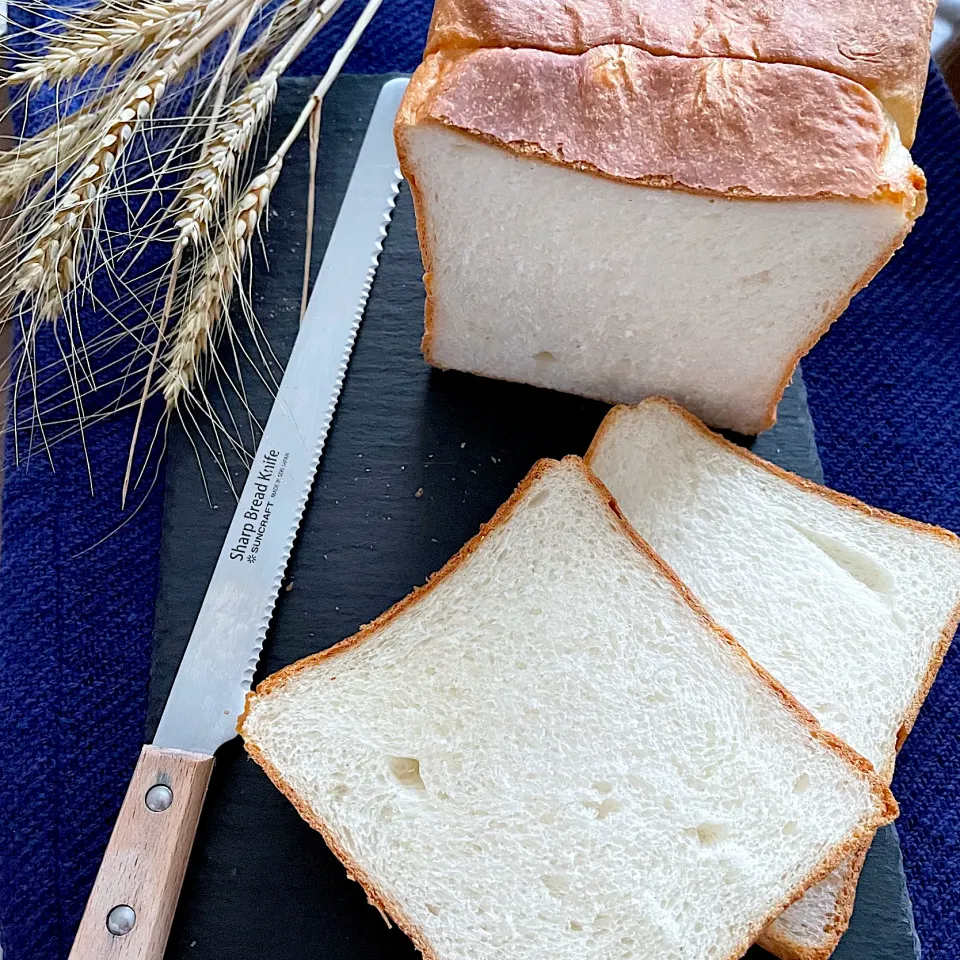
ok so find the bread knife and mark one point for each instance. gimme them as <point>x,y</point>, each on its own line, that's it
<point>130,910</point>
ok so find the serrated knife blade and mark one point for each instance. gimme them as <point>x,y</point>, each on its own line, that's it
<point>217,669</point>
<point>131,907</point>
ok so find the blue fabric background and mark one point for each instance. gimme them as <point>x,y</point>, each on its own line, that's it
<point>76,627</point>
<point>883,391</point>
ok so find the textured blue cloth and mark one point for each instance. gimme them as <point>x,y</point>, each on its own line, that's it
<point>884,397</point>
<point>75,627</point>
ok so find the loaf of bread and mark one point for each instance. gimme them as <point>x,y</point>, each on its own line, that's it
<point>882,44</point>
<point>851,608</point>
<point>551,750</point>
<point>618,224</point>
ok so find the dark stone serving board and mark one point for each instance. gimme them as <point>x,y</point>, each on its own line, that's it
<point>415,462</point>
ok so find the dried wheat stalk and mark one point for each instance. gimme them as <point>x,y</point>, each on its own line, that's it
<point>108,34</point>
<point>133,51</point>
<point>285,21</point>
<point>43,154</point>
<point>213,292</point>
<point>314,139</point>
<point>225,145</point>
<point>48,271</point>
<point>105,35</point>
<point>207,183</point>
<point>232,137</point>
<point>211,296</point>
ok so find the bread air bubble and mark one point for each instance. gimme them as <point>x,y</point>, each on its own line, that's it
<point>407,772</point>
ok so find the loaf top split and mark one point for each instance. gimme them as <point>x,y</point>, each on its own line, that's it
<point>709,125</point>
<point>882,44</point>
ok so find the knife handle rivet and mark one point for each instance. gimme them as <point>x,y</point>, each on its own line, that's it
<point>120,920</point>
<point>158,798</point>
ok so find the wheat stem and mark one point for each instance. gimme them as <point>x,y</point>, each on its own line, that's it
<point>201,321</point>
<point>202,38</point>
<point>224,145</point>
<point>230,140</point>
<point>49,269</point>
<point>119,32</point>
<point>107,34</point>
<point>224,70</point>
<point>311,206</point>
<point>42,154</point>
<point>332,72</point>
<point>288,18</point>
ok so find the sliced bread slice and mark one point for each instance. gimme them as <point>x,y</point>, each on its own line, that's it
<point>552,751</point>
<point>618,224</point>
<point>851,608</point>
<point>811,927</point>
<point>882,44</point>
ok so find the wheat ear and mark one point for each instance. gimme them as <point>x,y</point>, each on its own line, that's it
<point>211,295</point>
<point>205,186</point>
<point>48,151</point>
<point>284,22</point>
<point>226,143</point>
<point>232,137</point>
<point>201,320</point>
<point>107,34</point>
<point>120,32</point>
<point>224,71</point>
<point>49,269</point>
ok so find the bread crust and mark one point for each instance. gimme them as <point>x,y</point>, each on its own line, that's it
<point>405,117</point>
<point>434,75</point>
<point>785,949</point>
<point>839,922</point>
<point>840,500</point>
<point>882,44</point>
<point>720,127</point>
<point>886,811</point>
<point>834,314</point>
<point>375,896</point>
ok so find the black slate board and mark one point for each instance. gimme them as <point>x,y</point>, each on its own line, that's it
<point>416,461</point>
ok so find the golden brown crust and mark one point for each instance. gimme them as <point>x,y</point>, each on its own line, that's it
<point>882,44</point>
<point>887,809</point>
<point>839,922</point>
<point>835,312</point>
<point>434,74</point>
<point>785,949</point>
<point>721,127</point>
<point>838,499</point>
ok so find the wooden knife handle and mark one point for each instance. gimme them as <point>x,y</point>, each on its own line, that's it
<point>131,907</point>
